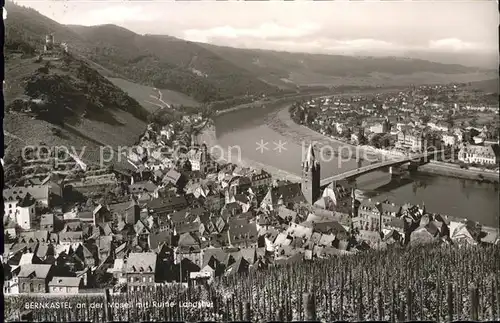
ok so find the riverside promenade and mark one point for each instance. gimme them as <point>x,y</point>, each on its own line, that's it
<point>453,170</point>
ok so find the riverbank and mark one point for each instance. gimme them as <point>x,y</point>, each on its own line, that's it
<point>444,169</point>
<point>434,167</point>
<point>442,194</point>
<point>293,98</point>
<point>282,122</point>
<point>258,104</point>
<point>220,154</point>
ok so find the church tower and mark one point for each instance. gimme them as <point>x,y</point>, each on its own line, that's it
<point>311,177</point>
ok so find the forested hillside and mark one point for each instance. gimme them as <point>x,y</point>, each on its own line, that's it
<point>56,99</point>
<point>170,63</point>
<point>210,73</point>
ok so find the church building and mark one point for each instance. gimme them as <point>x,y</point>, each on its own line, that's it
<point>311,185</point>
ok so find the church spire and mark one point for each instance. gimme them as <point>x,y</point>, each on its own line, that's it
<point>310,160</point>
<point>311,176</point>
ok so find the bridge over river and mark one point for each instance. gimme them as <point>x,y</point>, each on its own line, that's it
<point>394,161</point>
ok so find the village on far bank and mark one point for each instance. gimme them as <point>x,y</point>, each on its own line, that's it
<point>167,217</point>
<point>408,121</point>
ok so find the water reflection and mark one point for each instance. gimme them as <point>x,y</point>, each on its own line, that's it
<point>419,184</point>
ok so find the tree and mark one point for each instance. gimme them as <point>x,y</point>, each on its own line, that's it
<point>206,111</point>
<point>186,166</point>
<point>473,133</point>
<point>449,119</point>
<point>119,191</point>
<point>363,140</point>
<point>385,141</point>
<point>425,119</point>
<point>8,238</point>
<point>347,133</point>
<point>375,140</point>
<point>103,279</point>
<point>56,131</point>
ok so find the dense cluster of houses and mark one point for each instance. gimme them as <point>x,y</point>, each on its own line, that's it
<point>413,224</point>
<point>409,121</point>
<point>191,220</point>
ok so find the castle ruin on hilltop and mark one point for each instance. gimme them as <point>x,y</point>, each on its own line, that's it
<point>51,50</point>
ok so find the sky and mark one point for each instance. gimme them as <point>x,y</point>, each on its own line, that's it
<point>336,27</point>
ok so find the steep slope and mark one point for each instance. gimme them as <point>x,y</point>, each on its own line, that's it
<point>223,72</point>
<point>27,26</point>
<point>170,63</point>
<point>150,98</point>
<point>120,53</point>
<point>59,100</point>
<point>69,87</point>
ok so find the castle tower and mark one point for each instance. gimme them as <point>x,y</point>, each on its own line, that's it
<point>310,177</point>
<point>49,42</point>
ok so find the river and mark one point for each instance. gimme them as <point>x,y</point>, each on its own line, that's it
<point>267,135</point>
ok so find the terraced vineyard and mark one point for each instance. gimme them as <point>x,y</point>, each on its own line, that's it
<point>441,283</point>
<point>80,109</point>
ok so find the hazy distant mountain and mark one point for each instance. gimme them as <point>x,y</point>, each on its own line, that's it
<point>480,60</point>
<point>208,72</point>
<point>170,63</point>
<point>69,102</point>
<point>302,68</point>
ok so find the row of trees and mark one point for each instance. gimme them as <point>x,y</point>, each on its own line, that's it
<point>381,140</point>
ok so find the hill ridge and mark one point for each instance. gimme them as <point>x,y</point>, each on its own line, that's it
<point>209,73</point>
<point>55,99</point>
